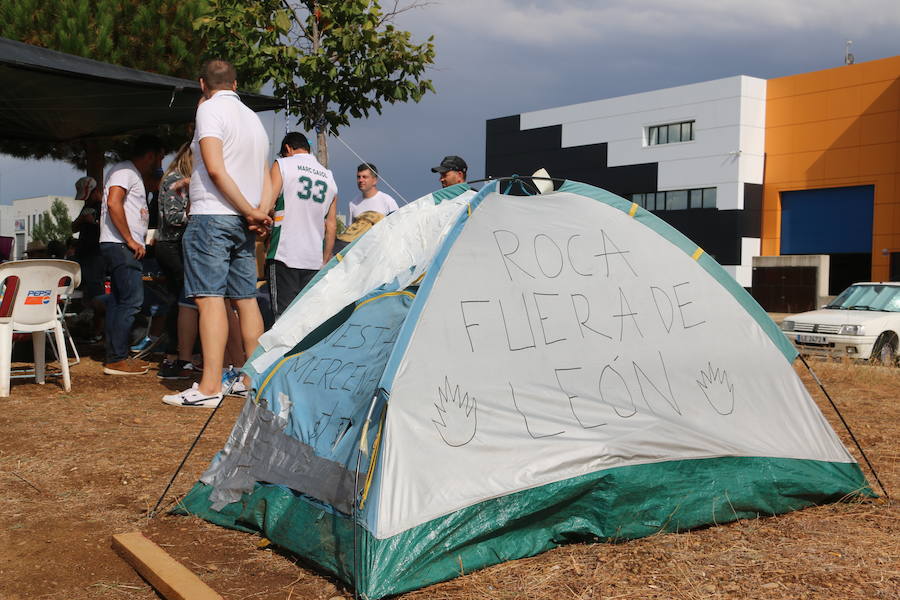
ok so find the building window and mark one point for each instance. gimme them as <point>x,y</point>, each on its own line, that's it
<point>696,198</point>
<point>670,133</point>
<point>677,199</point>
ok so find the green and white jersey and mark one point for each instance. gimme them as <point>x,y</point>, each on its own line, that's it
<point>307,191</point>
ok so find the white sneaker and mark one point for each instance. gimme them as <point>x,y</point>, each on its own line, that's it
<point>238,389</point>
<point>193,397</point>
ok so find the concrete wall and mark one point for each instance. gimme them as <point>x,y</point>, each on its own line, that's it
<point>821,262</point>
<point>7,220</point>
<point>29,209</point>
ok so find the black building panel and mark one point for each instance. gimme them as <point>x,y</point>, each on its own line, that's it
<point>752,213</point>
<point>508,151</point>
<point>718,232</point>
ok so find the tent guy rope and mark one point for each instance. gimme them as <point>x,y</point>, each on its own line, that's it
<point>152,513</point>
<point>380,176</point>
<point>846,425</point>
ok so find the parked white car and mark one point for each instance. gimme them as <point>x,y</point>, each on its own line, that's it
<point>862,322</point>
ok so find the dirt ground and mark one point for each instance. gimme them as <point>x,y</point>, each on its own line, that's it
<point>78,467</point>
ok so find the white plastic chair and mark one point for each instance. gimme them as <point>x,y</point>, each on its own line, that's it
<point>31,291</point>
<point>62,313</point>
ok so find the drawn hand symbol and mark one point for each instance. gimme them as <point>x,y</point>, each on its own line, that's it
<point>456,420</point>
<point>719,391</point>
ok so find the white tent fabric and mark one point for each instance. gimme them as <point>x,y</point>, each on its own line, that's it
<point>560,336</point>
<point>399,247</point>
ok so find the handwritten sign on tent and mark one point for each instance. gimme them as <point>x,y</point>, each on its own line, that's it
<point>561,328</point>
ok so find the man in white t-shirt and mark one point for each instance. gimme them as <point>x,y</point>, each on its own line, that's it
<point>228,183</point>
<point>370,199</point>
<point>305,220</point>
<point>123,227</point>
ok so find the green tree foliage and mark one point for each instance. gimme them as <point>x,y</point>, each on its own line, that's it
<point>150,35</point>
<point>330,59</point>
<point>54,224</point>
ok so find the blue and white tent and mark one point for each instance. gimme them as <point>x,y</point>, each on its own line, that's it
<point>484,377</point>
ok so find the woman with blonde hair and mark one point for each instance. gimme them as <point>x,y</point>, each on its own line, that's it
<point>181,324</point>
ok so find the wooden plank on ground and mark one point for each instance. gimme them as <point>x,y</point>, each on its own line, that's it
<point>169,577</point>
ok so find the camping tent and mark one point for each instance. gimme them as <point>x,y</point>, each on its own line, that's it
<point>483,378</point>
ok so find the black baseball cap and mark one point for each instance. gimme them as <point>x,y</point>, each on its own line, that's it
<point>450,163</point>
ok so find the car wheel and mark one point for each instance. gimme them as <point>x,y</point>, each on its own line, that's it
<point>885,349</point>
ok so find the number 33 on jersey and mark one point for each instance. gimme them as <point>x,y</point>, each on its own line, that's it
<point>308,189</point>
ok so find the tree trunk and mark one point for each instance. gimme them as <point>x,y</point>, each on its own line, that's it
<point>321,137</point>
<point>95,161</point>
<point>322,148</point>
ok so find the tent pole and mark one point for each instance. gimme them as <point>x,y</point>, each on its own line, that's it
<point>511,178</point>
<point>152,513</point>
<point>846,426</point>
<point>359,452</point>
<point>356,512</point>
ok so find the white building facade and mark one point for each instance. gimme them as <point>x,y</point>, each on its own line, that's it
<point>18,220</point>
<point>692,154</point>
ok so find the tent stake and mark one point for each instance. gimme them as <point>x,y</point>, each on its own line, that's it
<point>152,513</point>
<point>846,426</point>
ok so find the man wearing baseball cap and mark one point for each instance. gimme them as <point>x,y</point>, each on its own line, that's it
<point>452,170</point>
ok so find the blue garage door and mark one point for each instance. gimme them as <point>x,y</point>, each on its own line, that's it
<point>828,221</point>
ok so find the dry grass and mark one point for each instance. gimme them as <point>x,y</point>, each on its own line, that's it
<point>76,468</point>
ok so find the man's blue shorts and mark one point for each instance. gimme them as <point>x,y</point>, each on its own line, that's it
<point>219,257</point>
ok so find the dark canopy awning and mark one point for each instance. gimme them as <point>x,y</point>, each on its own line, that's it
<point>51,96</point>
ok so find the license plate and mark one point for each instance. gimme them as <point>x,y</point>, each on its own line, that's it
<point>811,339</point>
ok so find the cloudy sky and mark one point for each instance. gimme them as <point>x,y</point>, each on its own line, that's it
<point>502,57</point>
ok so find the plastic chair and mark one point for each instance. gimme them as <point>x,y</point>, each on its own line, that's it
<point>62,313</point>
<point>31,291</point>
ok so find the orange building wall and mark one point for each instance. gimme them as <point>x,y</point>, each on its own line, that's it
<point>834,128</point>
